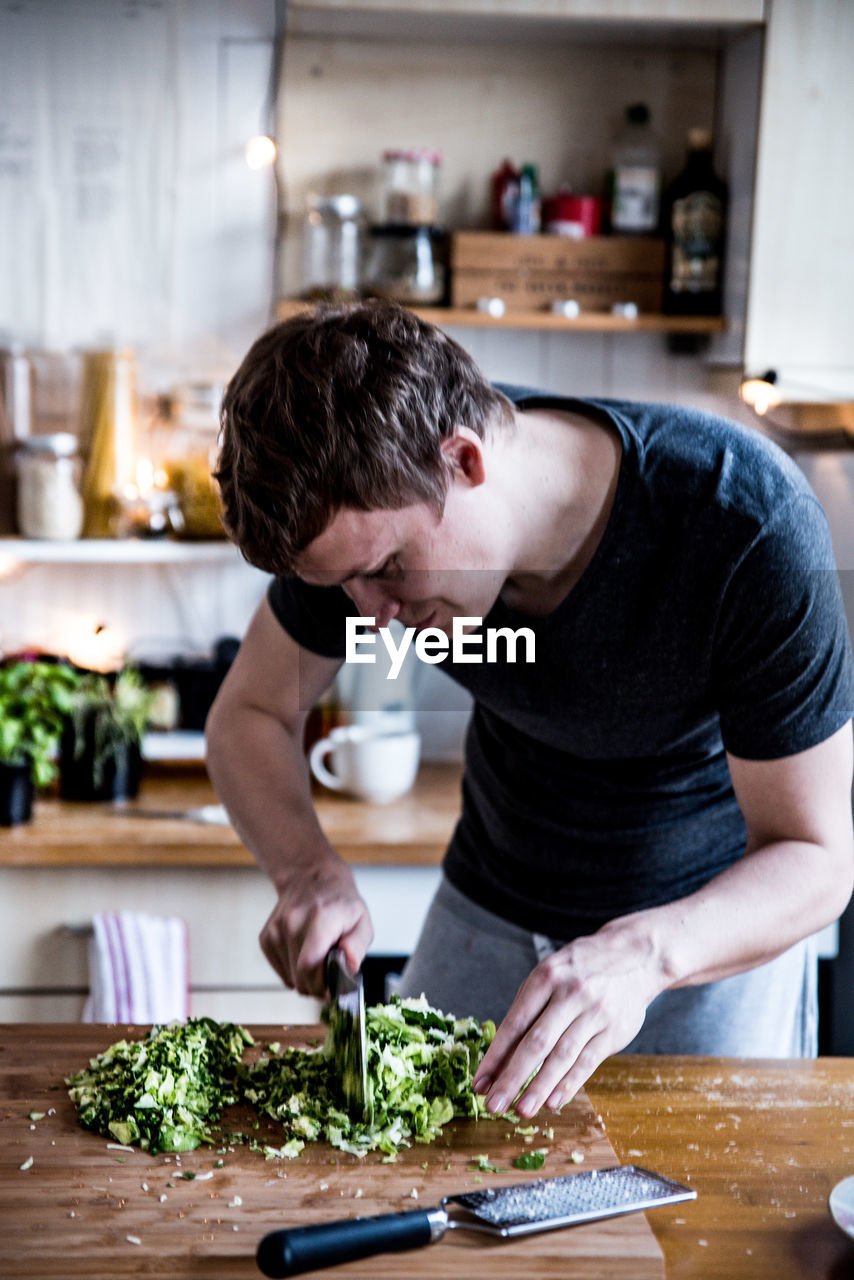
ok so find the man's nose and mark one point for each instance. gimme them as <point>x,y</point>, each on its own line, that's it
<point>373,600</point>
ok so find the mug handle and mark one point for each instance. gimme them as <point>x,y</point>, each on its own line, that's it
<point>319,769</point>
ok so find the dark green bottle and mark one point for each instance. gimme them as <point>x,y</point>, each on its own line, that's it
<point>695,213</point>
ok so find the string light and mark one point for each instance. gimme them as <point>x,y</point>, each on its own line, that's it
<point>260,151</point>
<point>761,394</point>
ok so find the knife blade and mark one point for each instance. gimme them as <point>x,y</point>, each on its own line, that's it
<point>346,1041</point>
<point>212,814</point>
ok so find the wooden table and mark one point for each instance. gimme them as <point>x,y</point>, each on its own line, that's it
<point>761,1142</point>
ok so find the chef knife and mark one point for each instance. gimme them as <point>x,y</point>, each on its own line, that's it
<point>346,1040</point>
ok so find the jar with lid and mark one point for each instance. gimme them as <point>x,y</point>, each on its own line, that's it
<point>411,186</point>
<point>332,247</point>
<point>49,504</point>
<point>406,264</point>
<point>189,457</point>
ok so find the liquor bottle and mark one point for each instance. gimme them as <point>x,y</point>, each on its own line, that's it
<point>695,210</point>
<point>635,178</point>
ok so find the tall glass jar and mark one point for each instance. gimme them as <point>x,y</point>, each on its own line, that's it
<point>332,247</point>
<point>49,503</point>
<point>411,187</point>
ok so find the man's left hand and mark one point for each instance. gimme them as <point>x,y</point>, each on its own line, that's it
<point>578,1006</point>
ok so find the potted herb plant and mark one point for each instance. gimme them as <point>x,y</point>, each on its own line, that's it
<point>101,757</point>
<point>35,699</point>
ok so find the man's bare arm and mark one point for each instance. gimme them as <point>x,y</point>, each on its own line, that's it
<point>256,761</point>
<point>588,1000</point>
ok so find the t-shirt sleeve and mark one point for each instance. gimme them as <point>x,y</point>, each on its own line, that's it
<point>782,668</point>
<point>313,616</point>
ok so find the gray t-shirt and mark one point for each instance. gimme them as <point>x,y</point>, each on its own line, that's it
<point>709,620</point>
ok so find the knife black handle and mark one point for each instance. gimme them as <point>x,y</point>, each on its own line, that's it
<point>294,1250</point>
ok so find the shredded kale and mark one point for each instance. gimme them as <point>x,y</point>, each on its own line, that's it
<point>420,1066</point>
<point>166,1092</point>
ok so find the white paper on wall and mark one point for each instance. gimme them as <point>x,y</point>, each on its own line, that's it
<point>87,151</point>
<point>127,212</point>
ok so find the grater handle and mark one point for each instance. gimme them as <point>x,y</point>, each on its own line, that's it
<point>294,1250</point>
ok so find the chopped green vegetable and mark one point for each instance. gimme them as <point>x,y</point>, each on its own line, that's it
<point>420,1066</point>
<point>484,1164</point>
<point>165,1091</point>
<point>37,1115</point>
<point>530,1160</point>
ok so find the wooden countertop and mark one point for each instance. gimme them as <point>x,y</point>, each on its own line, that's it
<point>413,830</point>
<point>761,1142</point>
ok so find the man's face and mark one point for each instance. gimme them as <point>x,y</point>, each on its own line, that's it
<point>409,563</point>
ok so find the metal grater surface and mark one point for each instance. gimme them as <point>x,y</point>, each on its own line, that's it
<point>578,1197</point>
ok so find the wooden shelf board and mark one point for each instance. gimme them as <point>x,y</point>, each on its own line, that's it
<point>587,322</point>
<point>115,551</point>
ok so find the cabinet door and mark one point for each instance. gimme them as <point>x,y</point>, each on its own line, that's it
<point>801,296</point>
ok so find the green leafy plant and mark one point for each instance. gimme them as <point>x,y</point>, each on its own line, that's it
<point>115,714</point>
<point>35,700</point>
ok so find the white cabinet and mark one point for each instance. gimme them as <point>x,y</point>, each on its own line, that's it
<point>44,913</point>
<point>800,317</point>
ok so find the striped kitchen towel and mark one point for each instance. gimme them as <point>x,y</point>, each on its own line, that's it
<point>138,968</point>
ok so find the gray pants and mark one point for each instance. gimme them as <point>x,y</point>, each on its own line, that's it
<point>471,962</point>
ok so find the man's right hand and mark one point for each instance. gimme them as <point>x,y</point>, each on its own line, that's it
<point>316,910</point>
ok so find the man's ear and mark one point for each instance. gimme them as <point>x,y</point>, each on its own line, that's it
<point>463,453</point>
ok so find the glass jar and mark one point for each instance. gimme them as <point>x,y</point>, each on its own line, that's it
<point>332,247</point>
<point>49,502</point>
<point>190,458</point>
<point>407,264</point>
<point>411,187</point>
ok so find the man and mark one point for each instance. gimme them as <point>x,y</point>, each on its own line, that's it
<point>656,812</point>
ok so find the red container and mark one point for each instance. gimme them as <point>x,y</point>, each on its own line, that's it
<point>566,214</point>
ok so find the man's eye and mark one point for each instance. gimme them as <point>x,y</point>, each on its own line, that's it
<point>385,570</point>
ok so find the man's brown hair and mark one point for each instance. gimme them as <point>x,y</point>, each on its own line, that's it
<point>342,407</point>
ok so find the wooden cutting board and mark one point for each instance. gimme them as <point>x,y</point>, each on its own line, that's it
<point>83,1208</point>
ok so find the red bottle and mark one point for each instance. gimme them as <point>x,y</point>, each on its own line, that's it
<point>505,194</point>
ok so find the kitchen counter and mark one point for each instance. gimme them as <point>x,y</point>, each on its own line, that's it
<point>413,830</point>
<point>761,1142</point>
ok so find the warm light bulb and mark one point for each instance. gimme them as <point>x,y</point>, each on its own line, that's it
<point>260,151</point>
<point>759,394</point>
<point>91,645</point>
<point>144,475</point>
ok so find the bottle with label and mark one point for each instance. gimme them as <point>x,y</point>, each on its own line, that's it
<point>695,223</point>
<point>525,219</point>
<point>635,176</point>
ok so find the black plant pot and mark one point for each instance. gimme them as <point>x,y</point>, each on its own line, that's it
<point>16,794</point>
<point>119,775</point>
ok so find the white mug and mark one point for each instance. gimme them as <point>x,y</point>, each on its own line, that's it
<point>377,767</point>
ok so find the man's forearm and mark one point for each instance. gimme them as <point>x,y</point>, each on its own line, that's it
<point>258,768</point>
<point>747,915</point>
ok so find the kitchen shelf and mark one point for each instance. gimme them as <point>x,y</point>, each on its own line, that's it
<point>115,551</point>
<point>587,322</point>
